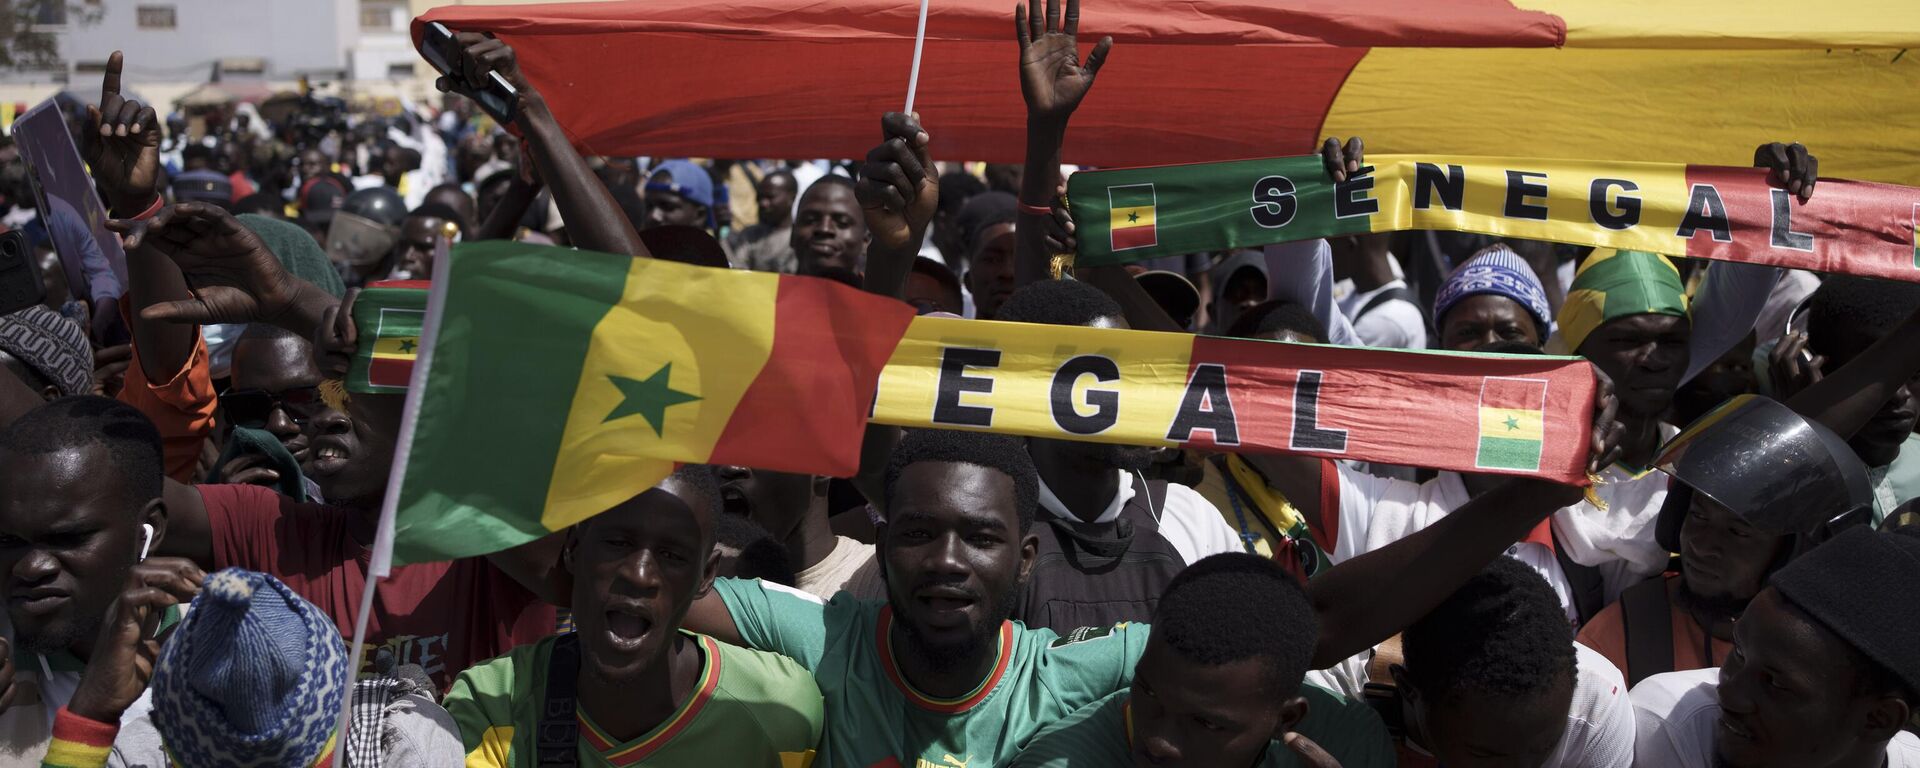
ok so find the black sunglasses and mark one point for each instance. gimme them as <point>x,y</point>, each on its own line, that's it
<point>252,408</point>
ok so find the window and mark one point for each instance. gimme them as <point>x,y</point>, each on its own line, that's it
<point>381,17</point>
<point>49,13</point>
<point>400,70</point>
<point>154,16</point>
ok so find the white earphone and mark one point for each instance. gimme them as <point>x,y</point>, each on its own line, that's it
<point>146,543</point>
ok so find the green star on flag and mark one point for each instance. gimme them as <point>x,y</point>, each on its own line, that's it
<point>649,398</point>
<point>407,345</point>
<point>1513,423</point>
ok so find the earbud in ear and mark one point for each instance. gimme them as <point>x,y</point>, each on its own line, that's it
<point>146,530</point>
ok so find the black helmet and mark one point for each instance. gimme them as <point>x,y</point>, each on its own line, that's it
<point>379,204</point>
<point>1779,471</point>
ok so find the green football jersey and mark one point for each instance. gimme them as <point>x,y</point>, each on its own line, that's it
<point>1102,734</point>
<point>877,720</point>
<point>749,709</point>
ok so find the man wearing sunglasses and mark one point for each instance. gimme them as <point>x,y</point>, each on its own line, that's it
<point>273,397</point>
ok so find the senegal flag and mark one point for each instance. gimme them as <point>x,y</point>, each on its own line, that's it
<point>1512,415</point>
<point>1132,213</point>
<point>388,315</point>
<point>560,383</point>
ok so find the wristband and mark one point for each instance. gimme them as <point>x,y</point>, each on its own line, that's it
<point>1037,210</point>
<point>158,203</point>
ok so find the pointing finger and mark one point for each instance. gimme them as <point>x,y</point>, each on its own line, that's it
<point>110,84</point>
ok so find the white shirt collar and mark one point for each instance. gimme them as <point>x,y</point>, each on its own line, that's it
<point>1051,503</point>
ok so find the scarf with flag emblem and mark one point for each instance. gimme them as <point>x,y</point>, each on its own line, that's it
<point>596,374</point>
<point>1730,214</point>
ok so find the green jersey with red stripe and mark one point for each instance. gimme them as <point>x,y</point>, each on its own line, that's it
<point>748,709</point>
<point>875,719</point>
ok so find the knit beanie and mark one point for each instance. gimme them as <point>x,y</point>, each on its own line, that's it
<point>297,251</point>
<point>51,345</point>
<point>1498,271</point>
<point>253,676</point>
<point>1860,586</point>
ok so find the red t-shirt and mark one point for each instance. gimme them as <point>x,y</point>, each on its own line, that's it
<point>445,617</point>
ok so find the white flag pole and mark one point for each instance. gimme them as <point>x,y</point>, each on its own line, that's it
<point>919,42</point>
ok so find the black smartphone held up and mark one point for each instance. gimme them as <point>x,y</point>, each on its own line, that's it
<point>497,97</point>
<point>20,285</point>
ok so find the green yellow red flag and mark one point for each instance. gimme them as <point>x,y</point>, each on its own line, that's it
<point>596,374</point>
<point>1732,214</point>
<point>389,314</point>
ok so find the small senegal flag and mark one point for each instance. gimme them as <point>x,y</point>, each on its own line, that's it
<point>557,384</point>
<point>1512,416</point>
<point>1916,235</point>
<point>1132,210</point>
<point>388,317</point>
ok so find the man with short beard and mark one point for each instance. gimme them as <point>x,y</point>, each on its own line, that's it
<point>1113,539</point>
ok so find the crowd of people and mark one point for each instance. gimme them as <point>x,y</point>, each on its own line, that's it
<point>189,497</point>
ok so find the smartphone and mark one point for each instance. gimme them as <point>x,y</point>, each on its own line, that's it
<point>20,285</point>
<point>497,97</point>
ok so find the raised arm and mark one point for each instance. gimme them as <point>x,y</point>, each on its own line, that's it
<point>1732,295</point>
<point>125,157</point>
<point>1845,400</point>
<point>1367,599</point>
<point>1053,81</point>
<point>899,194</point>
<point>594,220</point>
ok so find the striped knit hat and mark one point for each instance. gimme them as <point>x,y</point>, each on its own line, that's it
<point>51,345</point>
<point>1498,271</point>
<point>253,676</point>
<point>1614,284</point>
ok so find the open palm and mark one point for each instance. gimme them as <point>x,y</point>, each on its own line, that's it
<point>1052,78</point>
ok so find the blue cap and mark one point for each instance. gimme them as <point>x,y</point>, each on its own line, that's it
<point>687,180</point>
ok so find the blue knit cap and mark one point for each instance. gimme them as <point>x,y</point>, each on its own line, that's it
<point>253,676</point>
<point>1495,270</point>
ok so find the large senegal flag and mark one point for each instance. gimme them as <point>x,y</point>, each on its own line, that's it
<point>1207,80</point>
<point>1733,214</point>
<point>556,384</point>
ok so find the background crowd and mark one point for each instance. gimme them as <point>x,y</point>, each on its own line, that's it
<point>188,495</point>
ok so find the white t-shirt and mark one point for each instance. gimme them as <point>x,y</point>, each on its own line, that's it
<point>1378,511</point>
<point>849,567</point>
<point>1678,713</point>
<point>1189,522</point>
<point>1394,323</point>
<point>1600,721</point>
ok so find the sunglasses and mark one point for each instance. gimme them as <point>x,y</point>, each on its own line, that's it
<point>253,408</point>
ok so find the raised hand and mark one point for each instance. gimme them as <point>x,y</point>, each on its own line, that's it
<point>481,53</point>
<point>1052,79</point>
<point>1792,367</point>
<point>123,656</point>
<point>125,150</point>
<point>1608,432</point>
<point>1309,753</point>
<point>1796,169</point>
<point>235,277</point>
<point>1343,161</point>
<point>898,189</point>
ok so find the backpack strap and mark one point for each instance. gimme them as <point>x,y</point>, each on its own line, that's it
<point>1401,293</point>
<point>557,743</point>
<point>1646,616</point>
<point>1589,588</point>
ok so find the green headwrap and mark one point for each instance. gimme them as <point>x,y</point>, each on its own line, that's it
<point>297,251</point>
<point>1613,284</point>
